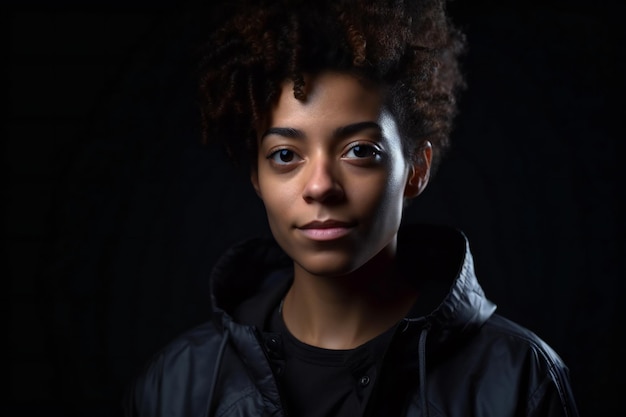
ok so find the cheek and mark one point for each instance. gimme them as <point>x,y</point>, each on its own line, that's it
<point>277,198</point>
<point>378,196</point>
<point>393,201</point>
<point>392,180</point>
<point>276,213</point>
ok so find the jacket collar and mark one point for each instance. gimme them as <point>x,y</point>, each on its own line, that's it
<point>452,303</point>
<point>437,258</point>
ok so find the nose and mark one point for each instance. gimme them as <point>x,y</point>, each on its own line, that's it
<point>322,182</point>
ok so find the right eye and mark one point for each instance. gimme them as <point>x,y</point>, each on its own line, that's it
<point>283,157</point>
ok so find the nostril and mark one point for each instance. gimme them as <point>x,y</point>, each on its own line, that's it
<point>332,195</point>
<point>323,185</point>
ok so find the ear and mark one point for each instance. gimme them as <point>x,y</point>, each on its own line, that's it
<point>419,172</point>
<point>254,179</point>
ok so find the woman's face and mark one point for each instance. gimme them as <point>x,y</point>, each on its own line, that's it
<point>332,175</point>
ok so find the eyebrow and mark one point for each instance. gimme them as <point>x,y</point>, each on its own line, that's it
<point>287,132</point>
<point>340,132</point>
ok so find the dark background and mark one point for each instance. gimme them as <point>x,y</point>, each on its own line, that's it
<point>115,213</point>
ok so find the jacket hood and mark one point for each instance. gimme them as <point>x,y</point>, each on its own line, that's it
<point>437,259</point>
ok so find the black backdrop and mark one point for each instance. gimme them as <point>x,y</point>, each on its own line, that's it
<point>115,212</point>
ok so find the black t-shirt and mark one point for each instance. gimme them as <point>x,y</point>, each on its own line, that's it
<point>323,382</point>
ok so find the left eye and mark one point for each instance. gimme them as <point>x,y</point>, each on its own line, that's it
<point>362,151</point>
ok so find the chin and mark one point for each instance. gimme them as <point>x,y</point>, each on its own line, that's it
<point>329,264</point>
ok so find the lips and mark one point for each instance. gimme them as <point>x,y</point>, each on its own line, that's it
<point>326,229</point>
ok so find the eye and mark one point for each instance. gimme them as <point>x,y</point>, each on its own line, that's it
<point>361,151</point>
<point>283,157</point>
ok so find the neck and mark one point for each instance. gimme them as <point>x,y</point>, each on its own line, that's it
<point>343,312</point>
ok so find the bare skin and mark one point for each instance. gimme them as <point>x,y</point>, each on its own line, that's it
<point>333,178</point>
<point>345,312</point>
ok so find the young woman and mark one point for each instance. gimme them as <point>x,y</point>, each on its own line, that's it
<point>342,110</point>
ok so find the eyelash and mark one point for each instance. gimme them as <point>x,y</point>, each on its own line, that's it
<point>272,156</point>
<point>373,153</point>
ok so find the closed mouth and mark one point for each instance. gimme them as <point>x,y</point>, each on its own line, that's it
<point>326,230</point>
<point>326,224</point>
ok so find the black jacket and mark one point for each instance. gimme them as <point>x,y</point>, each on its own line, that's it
<point>452,356</point>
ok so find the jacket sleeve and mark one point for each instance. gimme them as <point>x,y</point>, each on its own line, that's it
<point>178,379</point>
<point>142,397</point>
<point>553,396</point>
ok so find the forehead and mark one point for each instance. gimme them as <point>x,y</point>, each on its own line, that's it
<point>331,97</point>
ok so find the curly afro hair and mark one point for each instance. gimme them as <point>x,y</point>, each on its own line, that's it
<point>409,47</point>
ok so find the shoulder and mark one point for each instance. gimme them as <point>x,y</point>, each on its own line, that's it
<point>505,366</point>
<point>503,346</point>
<point>506,333</point>
<point>541,374</point>
<point>182,365</point>
<point>199,344</point>
<point>519,349</point>
<point>199,337</point>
